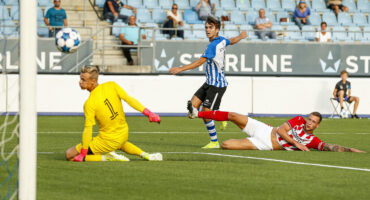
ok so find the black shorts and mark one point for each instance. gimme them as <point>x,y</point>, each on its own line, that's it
<point>210,96</point>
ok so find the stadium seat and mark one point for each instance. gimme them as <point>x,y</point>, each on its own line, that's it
<point>8,28</point>
<point>284,14</point>
<point>246,27</point>
<point>150,4</point>
<point>14,12</point>
<point>42,29</point>
<point>198,31</point>
<point>135,3</point>
<point>116,27</point>
<point>149,31</point>
<point>237,17</point>
<point>355,33</point>
<point>125,11</point>
<point>230,27</point>
<point>143,15</point>
<point>182,4</point>
<point>230,34</point>
<point>329,18</point>
<point>220,12</point>
<point>40,14</point>
<point>4,13</point>
<point>166,4</point>
<point>191,17</point>
<point>193,3</point>
<point>309,32</point>
<point>279,31</point>
<point>288,5</point>
<point>243,4</point>
<point>344,19</point>
<point>49,3</point>
<point>159,16</point>
<point>318,5</point>
<point>363,5</point>
<point>359,19</point>
<point>251,17</point>
<point>217,2</point>
<point>366,33</point>
<point>258,4</point>
<point>271,16</point>
<point>340,34</point>
<point>350,4</point>
<point>228,5</point>
<point>294,33</point>
<point>273,5</point>
<point>315,19</point>
<point>188,32</point>
<point>11,2</point>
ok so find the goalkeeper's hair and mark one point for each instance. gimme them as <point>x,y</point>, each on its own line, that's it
<point>93,70</point>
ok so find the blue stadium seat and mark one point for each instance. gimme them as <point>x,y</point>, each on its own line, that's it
<point>116,27</point>
<point>273,5</point>
<point>309,32</point>
<point>284,14</point>
<point>149,31</point>
<point>228,5</point>
<point>191,17</point>
<point>150,4</point>
<point>344,19</point>
<point>271,16</point>
<point>251,17</point>
<point>135,3</point>
<point>159,16</point>
<point>193,3</point>
<point>315,19</point>
<point>220,12</point>
<point>198,31</point>
<point>125,11</point>
<point>294,33</point>
<point>166,4</point>
<point>367,33</point>
<point>143,15</point>
<point>340,34</point>
<point>237,17</point>
<point>363,5</point>
<point>329,18</point>
<point>14,12</point>
<point>318,5</point>
<point>288,5</point>
<point>188,32</point>
<point>8,28</point>
<point>99,3</point>
<point>40,14</point>
<point>350,4</point>
<point>246,27</point>
<point>182,4</point>
<point>258,4</point>
<point>230,34</point>
<point>230,27</point>
<point>355,33</point>
<point>42,29</point>
<point>359,19</point>
<point>217,2</point>
<point>4,13</point>
<point>49,3</point>
<point>11,2</point>
<point>243,4</point>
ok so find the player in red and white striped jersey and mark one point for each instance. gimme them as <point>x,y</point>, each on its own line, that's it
<point>295,134</point>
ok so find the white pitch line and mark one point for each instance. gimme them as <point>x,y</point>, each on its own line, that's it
<point>134,132</point>
<point>273,160</point>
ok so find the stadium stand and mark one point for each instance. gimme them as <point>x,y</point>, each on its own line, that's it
<point>47,3</point>
<point>11,2</point>
<point>237,17</point>
<point>366,34</point>
<point>340,34</point>
<point>350,4</point>
<point>308,32</point>
<point>319,5</point>
<point>251,17</point>
<point>344,19</point>
<point>135,3</point>
<point>191,17</point>
<point>315,19</point>
<point>258,4</point>
<point>150,4</point>
<point>329,18</point>
<point>14,12</point>
<point>143,15</point>
<point>182,4</point>
<point>243,5</point>
<point>359,19</point>
<point>273,5</point>
<point>165,4</point>
<point>294,33</point>
<point>355,33</point>
<point>363,6</point>
<point>271,16</point>
<point>228,5</point>
<point>288,5</point>
<point>159,16</point>
<point>4,13</point>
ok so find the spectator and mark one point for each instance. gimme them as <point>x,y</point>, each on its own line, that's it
<point>342,92</point>
<point>336,6</point>
<point>130,36</point>
<point>301,14</point>
<point>263,24</point>
<point>323,36</point>
<point>111,10</point>
<point>205,8</point>
<point>55,16</point>
<point>173,21</point>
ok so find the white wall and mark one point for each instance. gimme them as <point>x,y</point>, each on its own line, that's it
<point>169,94</point>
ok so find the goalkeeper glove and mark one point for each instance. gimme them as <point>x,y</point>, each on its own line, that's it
<point>152,116</point>
<point>81,156</point>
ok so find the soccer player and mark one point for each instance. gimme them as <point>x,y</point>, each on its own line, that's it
<point>342,92</point>
<point>104,105</point>
<point>211,92</point>
<point>295,134</point>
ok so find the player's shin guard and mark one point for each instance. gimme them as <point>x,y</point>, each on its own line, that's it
<point>212,130</point>
<point>130,148</point>
<point>215,115</point>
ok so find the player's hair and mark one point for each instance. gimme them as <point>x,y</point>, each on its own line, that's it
<point>323,23</point>
<point>214,21</point>
<point>93,70</point>
<point>343,72</point>
<point>317,114</point>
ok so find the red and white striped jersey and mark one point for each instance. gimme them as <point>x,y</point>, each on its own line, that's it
<point>297,132</point>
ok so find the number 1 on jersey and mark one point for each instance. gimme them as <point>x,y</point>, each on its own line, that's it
<point>114,114</point>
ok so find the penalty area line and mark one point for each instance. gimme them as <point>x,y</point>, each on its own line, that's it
<point>272,160</point>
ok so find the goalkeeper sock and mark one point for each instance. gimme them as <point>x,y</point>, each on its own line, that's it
<point>216,115</point>
<point>94,158</point>
<point>130,148</point>
<point>212,130</point>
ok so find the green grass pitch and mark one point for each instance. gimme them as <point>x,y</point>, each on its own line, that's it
<point>199,176</point>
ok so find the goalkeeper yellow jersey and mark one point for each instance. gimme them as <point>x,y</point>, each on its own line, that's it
<point>104,105</point>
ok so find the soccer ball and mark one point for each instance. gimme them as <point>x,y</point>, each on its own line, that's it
<point>67,40</point>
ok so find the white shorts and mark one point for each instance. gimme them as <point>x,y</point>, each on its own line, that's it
<point>260,134</point>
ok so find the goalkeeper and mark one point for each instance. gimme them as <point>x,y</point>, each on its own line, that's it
<point>104,105</point>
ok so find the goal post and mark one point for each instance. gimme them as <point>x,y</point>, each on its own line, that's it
<point>27,102</point>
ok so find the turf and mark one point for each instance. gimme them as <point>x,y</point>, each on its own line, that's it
<point>198,176</point>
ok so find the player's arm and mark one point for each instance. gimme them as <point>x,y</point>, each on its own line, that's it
<point>236,39</point>
<point>87,133</point>
<point>283,132</point>
<point>338,148</point>
<point>335,92</point>
<point>199,62</point>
